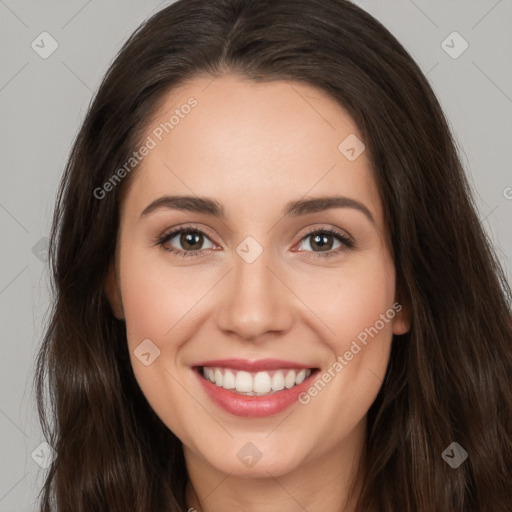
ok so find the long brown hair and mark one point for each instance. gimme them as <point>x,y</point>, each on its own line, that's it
<point>449,378</point>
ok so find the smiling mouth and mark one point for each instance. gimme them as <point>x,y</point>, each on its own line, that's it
<point>260,383</point>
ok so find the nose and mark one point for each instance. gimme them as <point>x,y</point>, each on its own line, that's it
<point>256,300</point>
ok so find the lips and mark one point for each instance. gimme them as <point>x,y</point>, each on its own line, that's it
<point>254,388</point>
<point>253,366</point>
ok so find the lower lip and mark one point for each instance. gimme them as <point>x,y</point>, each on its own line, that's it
<point>254,406</point>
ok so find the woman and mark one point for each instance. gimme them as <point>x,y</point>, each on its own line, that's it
<point>272,288</point>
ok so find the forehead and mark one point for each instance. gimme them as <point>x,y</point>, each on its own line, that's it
<point>249,143</point>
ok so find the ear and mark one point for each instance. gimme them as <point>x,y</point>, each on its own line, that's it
<point>113,293</point>
<point>402,320</point>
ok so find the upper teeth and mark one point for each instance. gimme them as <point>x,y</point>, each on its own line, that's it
<point>258,383</point>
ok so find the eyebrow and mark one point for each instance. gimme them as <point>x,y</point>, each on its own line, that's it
<point>297,208</point>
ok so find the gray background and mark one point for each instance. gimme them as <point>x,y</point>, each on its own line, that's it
<point>42,102</point>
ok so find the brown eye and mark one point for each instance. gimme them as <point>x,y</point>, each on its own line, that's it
<point>190,242</point>
<point>322,243</point>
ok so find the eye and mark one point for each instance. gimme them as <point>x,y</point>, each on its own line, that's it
<point>324,240</point>
<point>190,238</point>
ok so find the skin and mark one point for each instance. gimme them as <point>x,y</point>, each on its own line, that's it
<point>254,147</point>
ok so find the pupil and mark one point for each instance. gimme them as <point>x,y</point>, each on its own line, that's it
<point>320,240</point>
<point>191,239</point>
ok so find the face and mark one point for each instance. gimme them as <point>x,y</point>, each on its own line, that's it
<point>286,303</point>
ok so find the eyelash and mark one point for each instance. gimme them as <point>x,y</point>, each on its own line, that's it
<point>345,241</point>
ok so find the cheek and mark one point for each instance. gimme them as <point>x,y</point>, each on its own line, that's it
<point>358,309</point>
<point>157,299</point>
<point>157,306</point>
<point>353,298</point>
